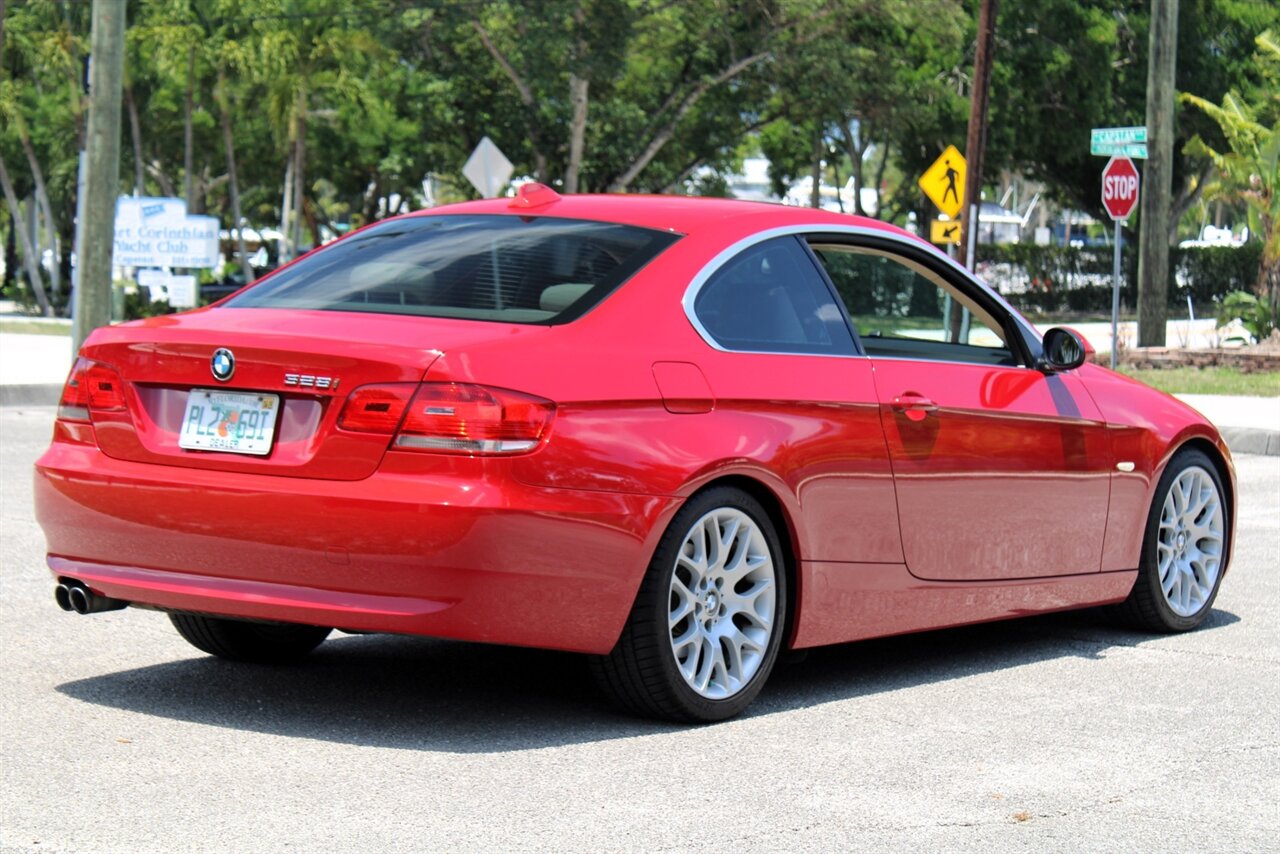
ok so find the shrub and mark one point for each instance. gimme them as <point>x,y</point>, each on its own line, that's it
<point>1048,279</point>
<point>1256,315</point>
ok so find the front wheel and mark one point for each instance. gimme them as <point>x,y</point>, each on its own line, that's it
<point>1184,549</point>
<point>704,632</point>
<point>239,640</point>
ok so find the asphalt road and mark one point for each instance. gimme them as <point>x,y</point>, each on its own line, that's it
<point>1051,733</point>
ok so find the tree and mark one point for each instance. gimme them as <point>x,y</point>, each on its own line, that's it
<point>317,115</point>
<point>883,78</point>
<point>41,124</point>
<point>630,94</point>
<point>1249,168</point>
<point>30,258</point>
<point>1064,66</point>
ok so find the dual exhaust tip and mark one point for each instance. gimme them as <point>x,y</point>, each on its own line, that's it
<point>72,595</point>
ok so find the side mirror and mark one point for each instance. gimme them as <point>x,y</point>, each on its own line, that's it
<point>1064,349</point>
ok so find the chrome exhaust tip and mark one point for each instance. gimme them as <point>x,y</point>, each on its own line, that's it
<point>79,597</point>
<point>82,600</point>
<point>62,595</point>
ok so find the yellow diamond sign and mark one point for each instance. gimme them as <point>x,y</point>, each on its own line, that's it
<point>943,182</point>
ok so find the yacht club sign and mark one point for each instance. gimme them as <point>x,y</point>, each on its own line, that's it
<point>157,232</point>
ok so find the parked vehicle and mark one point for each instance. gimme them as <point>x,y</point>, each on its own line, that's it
<point>678,435</point>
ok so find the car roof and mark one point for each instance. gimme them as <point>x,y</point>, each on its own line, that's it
<point>689,215</point>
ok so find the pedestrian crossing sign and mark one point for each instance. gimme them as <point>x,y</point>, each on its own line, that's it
<point>943,182</point>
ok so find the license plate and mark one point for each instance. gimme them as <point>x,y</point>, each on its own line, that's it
<point>235,422</point>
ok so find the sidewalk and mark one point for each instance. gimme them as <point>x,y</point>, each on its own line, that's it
<point>1251,425</point>
<point>34,367</point>
<point>1179,333</point>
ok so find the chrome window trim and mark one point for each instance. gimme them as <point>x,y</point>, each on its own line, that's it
<point>953,362</point>
<point>725,255</point>
<point>713,266</point>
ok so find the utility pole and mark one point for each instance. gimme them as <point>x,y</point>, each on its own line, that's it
<point>1154,228</point>
<point>976,139</point>
<point>91,307</point>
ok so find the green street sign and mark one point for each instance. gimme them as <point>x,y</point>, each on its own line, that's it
<point>1122,142</point>
<point>1136,150</point>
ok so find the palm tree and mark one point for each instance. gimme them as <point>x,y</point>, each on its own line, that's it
<point>1250,170</point>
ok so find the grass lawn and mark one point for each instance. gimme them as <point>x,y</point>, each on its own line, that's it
<point>18,326</point>
<point>1208,381</point>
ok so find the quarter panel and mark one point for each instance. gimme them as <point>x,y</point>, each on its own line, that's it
<point>807,426</point>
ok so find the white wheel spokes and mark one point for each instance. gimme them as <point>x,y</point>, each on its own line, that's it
<point>722,603</point>
<point>1189,542</point>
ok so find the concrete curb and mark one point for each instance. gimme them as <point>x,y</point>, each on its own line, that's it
<point>1252,440</point>
<point>30,395</point>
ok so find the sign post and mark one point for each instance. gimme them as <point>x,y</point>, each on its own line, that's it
<point>1120,184</point>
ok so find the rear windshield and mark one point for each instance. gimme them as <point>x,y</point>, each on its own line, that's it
<point>506,268</point>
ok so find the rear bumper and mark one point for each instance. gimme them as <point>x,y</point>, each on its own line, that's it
<point>462,552</point>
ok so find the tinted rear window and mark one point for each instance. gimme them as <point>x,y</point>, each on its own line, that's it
<point>506,268</point>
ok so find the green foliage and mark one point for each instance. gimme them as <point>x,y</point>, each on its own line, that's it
<point>1255,315</point>
<point>1056,279</point>
<point>137,304</point>
<point>383,94</point>
<point>1249,166</point>
<point>1214,271</point>
<point>11,326</point>
<point>876,78</point>
<point>1064,66</point>
<point>1212,380</point>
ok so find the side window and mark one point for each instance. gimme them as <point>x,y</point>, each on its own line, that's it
<point>903,309</point>
<point>771,299</point>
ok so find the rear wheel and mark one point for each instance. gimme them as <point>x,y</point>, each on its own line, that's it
<point>237,640</point>
<point>704,632</point>
<point>1184,548</point>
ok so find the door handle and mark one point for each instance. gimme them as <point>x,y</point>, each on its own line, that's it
<point>914,406</point>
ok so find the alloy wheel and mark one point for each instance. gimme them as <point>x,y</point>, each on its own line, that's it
<point>722,604</point>
<point>1189,543</point>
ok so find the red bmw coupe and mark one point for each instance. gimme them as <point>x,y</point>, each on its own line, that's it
<point>676,434</point>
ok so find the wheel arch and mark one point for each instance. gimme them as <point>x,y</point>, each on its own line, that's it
<point>784,525</point>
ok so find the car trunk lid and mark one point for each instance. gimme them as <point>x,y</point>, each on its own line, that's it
<point>311,360</point>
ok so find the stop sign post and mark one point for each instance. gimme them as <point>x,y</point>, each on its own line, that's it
<point>1120,184</point>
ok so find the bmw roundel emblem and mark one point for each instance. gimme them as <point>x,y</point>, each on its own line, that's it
<point>223,364</point>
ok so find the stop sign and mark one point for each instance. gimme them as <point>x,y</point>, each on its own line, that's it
<point>1120,187</point>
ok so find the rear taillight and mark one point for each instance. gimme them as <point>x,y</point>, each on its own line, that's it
<point>450,418</point>
<point>91,387</point>
<point>376,408</point>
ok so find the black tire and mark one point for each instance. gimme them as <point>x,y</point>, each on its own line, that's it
<point>641,674</point>
<point>238,640</point>
<point>1147,606</point>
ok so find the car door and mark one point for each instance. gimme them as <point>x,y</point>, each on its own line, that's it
<point>1000,471</point>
